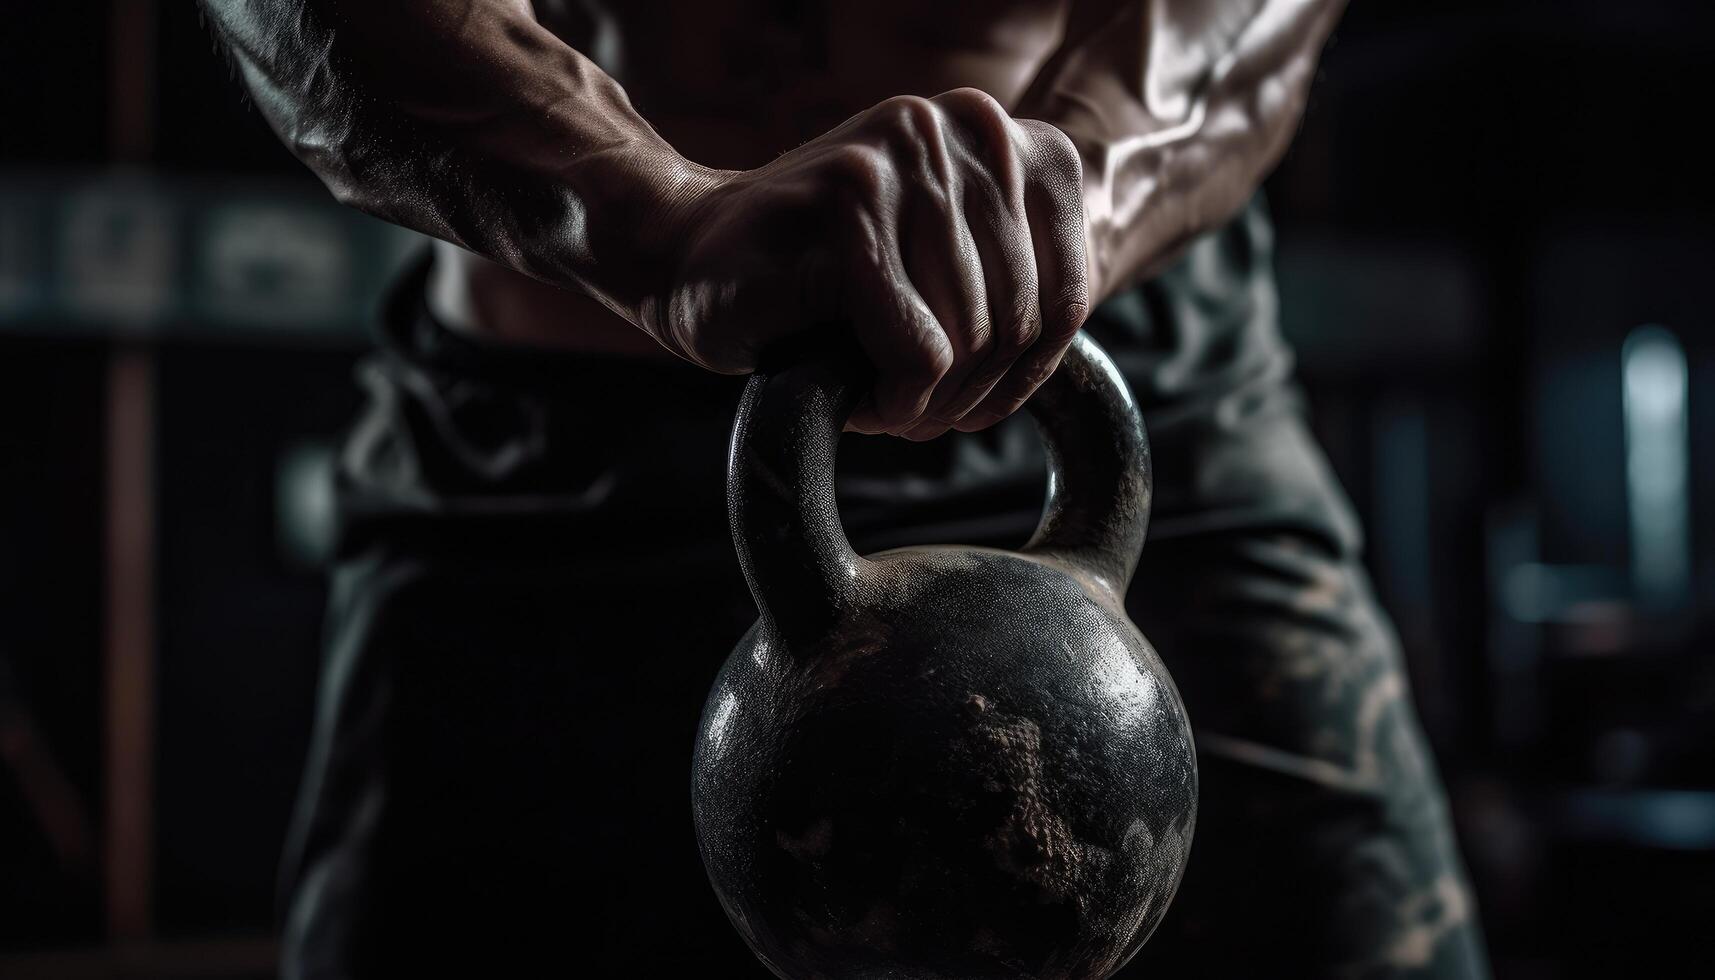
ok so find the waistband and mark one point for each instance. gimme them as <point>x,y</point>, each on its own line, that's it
<point>408,331</point>
<point>459,426</point>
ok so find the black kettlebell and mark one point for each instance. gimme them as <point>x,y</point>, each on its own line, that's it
<point>940,762</point>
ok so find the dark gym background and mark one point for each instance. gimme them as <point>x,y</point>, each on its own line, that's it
<point>1496,262</point>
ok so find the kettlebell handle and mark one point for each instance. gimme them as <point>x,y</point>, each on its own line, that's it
<point>802,570</point>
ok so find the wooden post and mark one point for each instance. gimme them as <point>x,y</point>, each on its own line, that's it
<point>129,640</point>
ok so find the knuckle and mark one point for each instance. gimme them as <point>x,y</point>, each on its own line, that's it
<point>861,170</point>
<point>1074,161</point>
<point>973,101</point>
<point>1066,325</point>
<point>1055,158</point>
<point>930,361</point>
<point>1065,308</point>
<point>1075,301</point>
<point>978,332</point>
<point>1052,143</point>
<point>1025,327</point>
<point>985,119</point>
<point>910,116</point>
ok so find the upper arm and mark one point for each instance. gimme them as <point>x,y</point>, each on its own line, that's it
<point>1151,63</point>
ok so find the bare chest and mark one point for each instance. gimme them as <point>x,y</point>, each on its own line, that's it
<point>788,69</point>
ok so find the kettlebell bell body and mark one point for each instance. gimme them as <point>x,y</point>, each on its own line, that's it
<point>943,761</point>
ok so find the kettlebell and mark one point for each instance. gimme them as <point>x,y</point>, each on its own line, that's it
<point>942,762</point>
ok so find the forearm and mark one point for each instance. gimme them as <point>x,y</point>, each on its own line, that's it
<point>470,122</point>
<point>1179,109</point>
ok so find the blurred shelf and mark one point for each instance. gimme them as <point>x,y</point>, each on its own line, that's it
<point>1663,819</point>
<point>134,256</point>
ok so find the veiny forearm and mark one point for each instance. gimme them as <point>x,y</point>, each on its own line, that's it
<point>1179,109</point>
<point>468,121</point>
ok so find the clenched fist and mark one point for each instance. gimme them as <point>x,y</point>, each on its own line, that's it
<point>946,235</point>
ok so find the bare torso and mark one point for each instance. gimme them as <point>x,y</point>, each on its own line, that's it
<point>734,83</point>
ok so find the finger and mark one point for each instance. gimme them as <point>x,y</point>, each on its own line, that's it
<point>898,332</point>
<point>1054,208</point>
<point>945,265</point>
<point>1013,297</point>
<point>939,253</point>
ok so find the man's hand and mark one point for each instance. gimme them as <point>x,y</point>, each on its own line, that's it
<point>948,236</point>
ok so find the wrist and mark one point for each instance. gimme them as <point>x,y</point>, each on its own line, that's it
<point>623,210</point>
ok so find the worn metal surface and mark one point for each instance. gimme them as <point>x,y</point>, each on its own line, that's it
<point>942,761</point>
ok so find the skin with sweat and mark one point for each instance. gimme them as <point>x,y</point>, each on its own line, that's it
<point>957,184</point>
